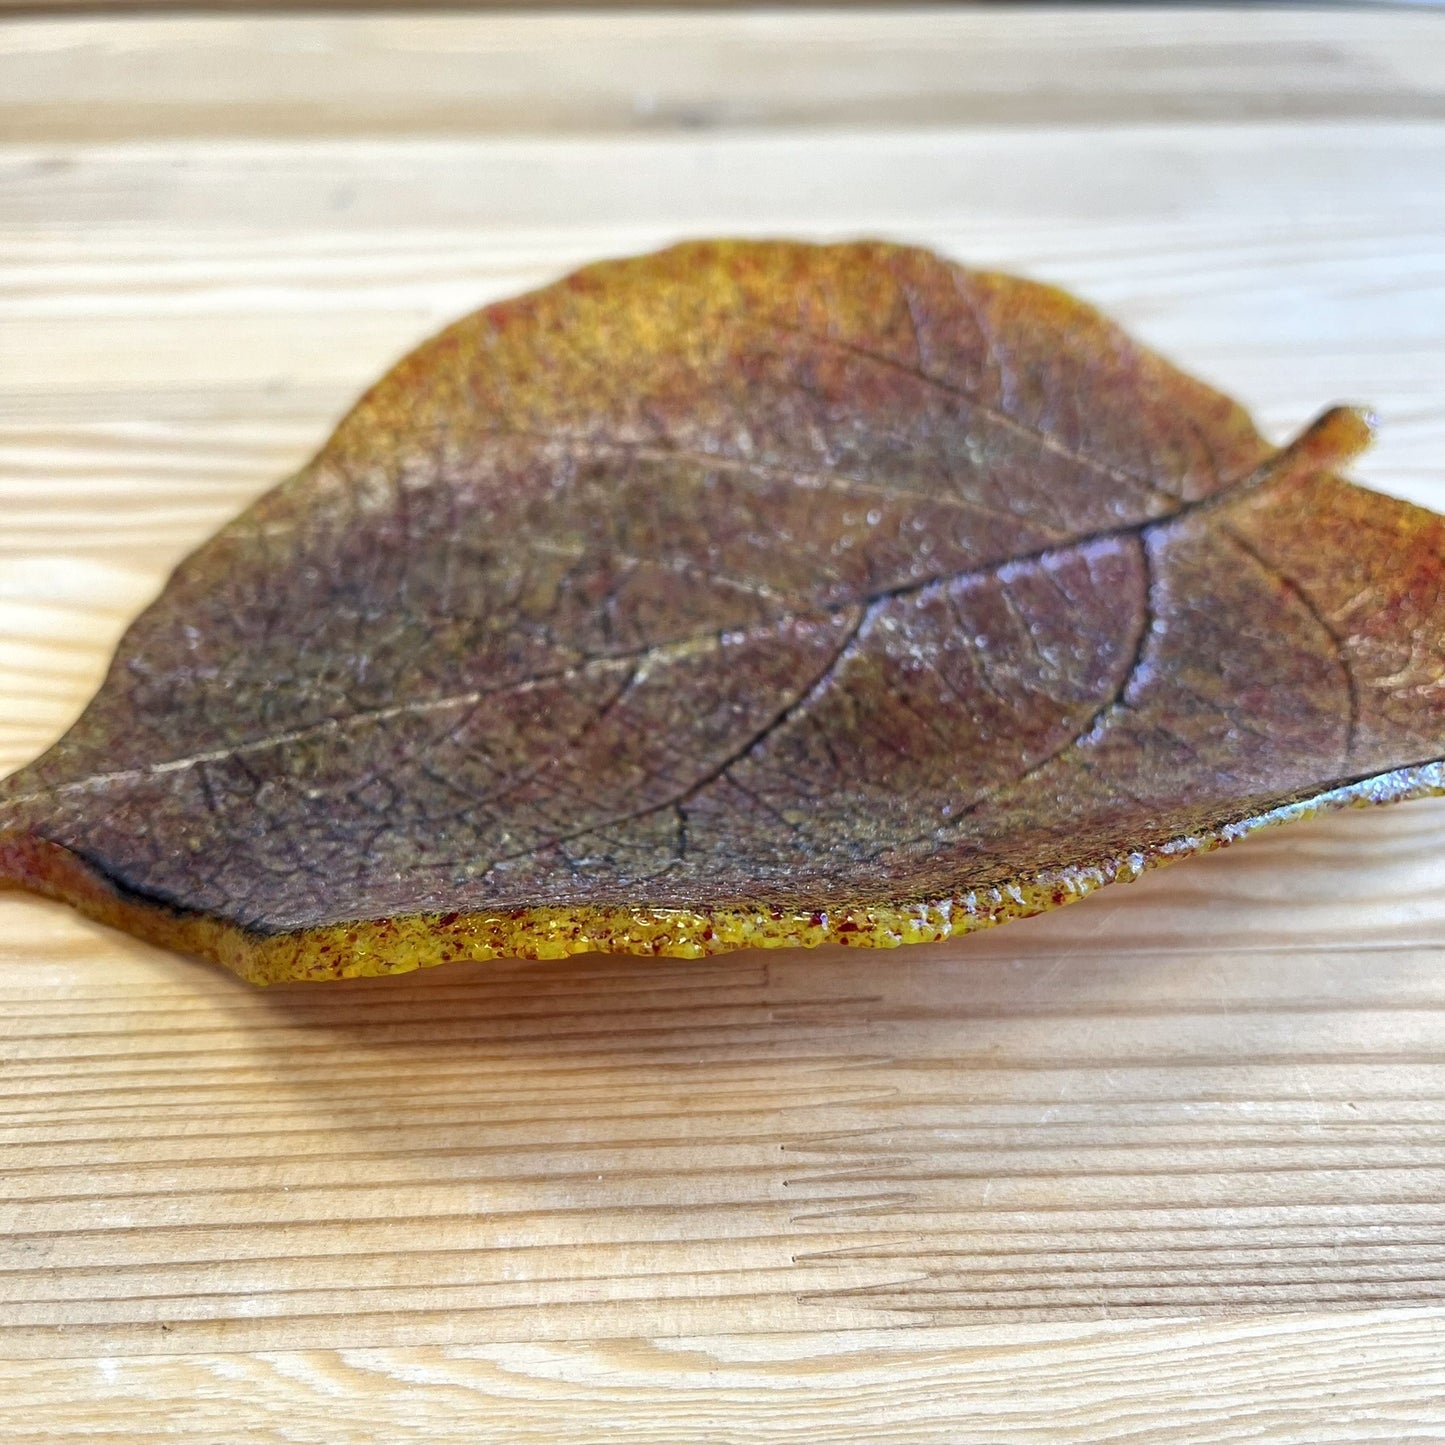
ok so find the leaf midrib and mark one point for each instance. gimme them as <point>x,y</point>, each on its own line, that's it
<point>1271,470</point>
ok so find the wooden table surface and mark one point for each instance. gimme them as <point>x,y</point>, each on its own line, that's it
<point>1166,1166</point>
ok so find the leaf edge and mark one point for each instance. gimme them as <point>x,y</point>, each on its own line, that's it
<point>371,948</point>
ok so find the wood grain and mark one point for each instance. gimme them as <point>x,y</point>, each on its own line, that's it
<point>1168,1164</point>
<point>679,73</point>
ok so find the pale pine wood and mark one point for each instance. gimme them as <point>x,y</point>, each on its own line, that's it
<point>1169,1165</point>
<point>660,73</point>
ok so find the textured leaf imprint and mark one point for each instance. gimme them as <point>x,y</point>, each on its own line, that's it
<point>743,594</point>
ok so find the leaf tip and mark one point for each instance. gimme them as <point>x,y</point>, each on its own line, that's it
<point>1336,437</point>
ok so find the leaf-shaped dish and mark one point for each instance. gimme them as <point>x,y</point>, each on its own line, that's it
<point>748,593</point>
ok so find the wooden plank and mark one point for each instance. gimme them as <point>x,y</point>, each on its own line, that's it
<point>661,72</point>
<point>1171,1162</point>
<point>1369,1375</point>
<point>1089,1116</point>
